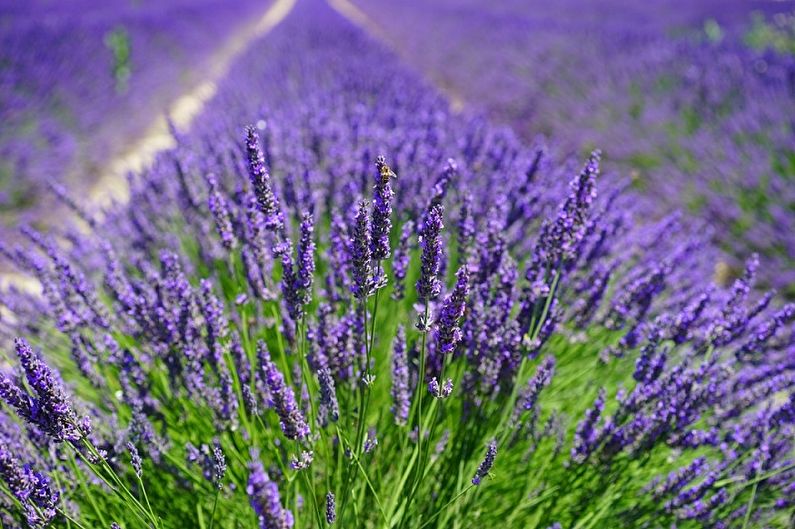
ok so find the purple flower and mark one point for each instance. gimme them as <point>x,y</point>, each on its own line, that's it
<point>329,407</point>
<point>306,259</point>
<point>292,420</point>
<point>361,257</point>
<point>382,210</point>
<point>261,181</point>
<point>135,460</point>
<point>428,285</point>
<point>466,227</point>
<point>448,332</point>
<point>485,466</point>
<point>297,278</point>
<point>331,508</point>
<point>264,498</point>
<point>541,379</point>
<point>50,408</point>
<point>31,488</point>
<point>585,436</point>
<point>401,393</point>
<point>220,212</point>
<point>559,241</point>
<point>371,441</point>
<point>215,322</point>
<point>400,263</point>
<point>219,467</point>
<point>677,479</point>
<point>303,461</point>
<point>440,392</point>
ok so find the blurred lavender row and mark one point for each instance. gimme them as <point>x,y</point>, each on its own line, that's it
<point>80,80</point>
<point>693,99</point>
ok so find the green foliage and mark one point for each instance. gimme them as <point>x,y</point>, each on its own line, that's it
<point>118,42</point>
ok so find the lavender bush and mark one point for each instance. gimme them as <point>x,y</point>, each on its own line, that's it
<point>691,99</point>
<point>336,302</point>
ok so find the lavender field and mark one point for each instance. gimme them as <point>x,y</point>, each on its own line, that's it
<point>400,265</point>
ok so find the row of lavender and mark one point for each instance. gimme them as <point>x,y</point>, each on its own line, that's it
<point>671,91</point>
<point>285,329</point>
<point>80,80</point>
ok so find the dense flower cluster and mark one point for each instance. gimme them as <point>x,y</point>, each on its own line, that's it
<point>240,343</point>
<point>690,98</point>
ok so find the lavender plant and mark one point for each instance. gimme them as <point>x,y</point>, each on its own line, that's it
<point>306,316</point>
<point>690,99</point>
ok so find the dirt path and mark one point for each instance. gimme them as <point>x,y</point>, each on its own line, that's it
<point>354,14</point>
<point>112,184</point>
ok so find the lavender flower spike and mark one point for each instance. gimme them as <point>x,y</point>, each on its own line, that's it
<point>292,420</point>
<point>585,436</point>
<point>261,181</point>
<point>264,498</point>
<point>486,464</point>
<point>401,261</point>
<point>135,459</point>
<point>32,489</point>
<point>440,392</point>
<point>448,333</point>
<point>401,393</point>
<point>331,508</point>
<point>361,257</point>
<point>428,285</point>
<point>382,210</point>
<point>306,260</point>
<point>542,377</point>
<point>50,409</point>
<point>329,406</point>
<point>220,211</point>
<point>219,467</point>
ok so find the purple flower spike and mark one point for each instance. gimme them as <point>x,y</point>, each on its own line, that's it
<point>264,497</point>
<point>32,489</point>
<point>361,257</point>
<point>448,332</point>
<point>382,210</point>
<point>585,436</point>
<point>401,392</point>
<point>220,212</point>
<point>331,508</point>
<point>400,263</point>
<point>50,408</point>
<point>486,464</point>
<point>261,181</point>
<point>440,392</point>
<point>428,285</point>
<point>329,406</point>
<point>292,420</point>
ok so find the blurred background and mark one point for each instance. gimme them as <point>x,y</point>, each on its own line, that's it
<point>693,102</point>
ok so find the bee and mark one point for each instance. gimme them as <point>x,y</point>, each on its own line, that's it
<point>385,171</point>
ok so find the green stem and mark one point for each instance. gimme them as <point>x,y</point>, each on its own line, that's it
<point>750,506</point>
<point>420,393</point>
<point>446,505</point>
<point>215,505</point>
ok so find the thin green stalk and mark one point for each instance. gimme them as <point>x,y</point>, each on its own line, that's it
<point>311,490</point>
<point>369,483</point>
<point>70,519</point>
<point>215,505</point>
<point>750,506</point>
<point>420,393</point>
<point>360,426</point>
<point>446,505</point>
